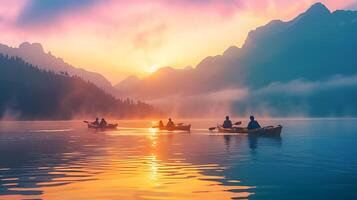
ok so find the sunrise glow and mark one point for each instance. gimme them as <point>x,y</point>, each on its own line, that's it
<point>153,69</point>
<point>117,38</point>
<point>178,99</point>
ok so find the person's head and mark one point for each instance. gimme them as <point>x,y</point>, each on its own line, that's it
<point>102,119</point>
<point>251,118</point>
<point>227,117</point>
<point>169,119</point>
<point>96,119</point>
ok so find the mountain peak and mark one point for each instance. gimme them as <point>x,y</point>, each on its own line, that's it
<point>316,12</point>
<point>34,53</point>
<point>318,8</point>
<point>34,47</point>
<point>231,51</point>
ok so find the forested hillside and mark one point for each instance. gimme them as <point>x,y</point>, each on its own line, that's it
<point>27,92</point>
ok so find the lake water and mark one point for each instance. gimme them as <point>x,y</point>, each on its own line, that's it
<point>313,159</point>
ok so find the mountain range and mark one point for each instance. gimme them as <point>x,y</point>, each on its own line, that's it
<point>30,93</point>
<point>34,53</point>
<point>305,66</point>
<point>298,67</point>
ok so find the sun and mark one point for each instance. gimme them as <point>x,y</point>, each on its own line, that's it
<point>152,68</point>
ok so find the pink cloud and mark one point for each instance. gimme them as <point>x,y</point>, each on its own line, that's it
<point>152,30</point>
<point>149,38</point>
<point>122,13</point>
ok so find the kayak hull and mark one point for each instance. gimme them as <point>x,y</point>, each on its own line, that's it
<point>269,130</point>
<point>176,128</point>
<point>109,126</point>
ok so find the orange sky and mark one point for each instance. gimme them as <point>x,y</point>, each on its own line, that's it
<point>121,38</point>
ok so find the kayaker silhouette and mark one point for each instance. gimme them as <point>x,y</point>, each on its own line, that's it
<point>96,122</point>
<point>227,123</point>
<point>102,122</point>
<point>253,124</point>
<point>170,123</point>
<point>161,124</point>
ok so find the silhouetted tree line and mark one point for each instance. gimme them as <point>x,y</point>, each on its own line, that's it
<point>31,93</point>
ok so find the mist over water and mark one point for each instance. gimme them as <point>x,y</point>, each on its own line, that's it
<point>313,159</point>
<point>296,98</point>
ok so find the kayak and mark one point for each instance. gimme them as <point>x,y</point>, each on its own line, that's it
<point>175,128</point>
<point>108,126</point>
<point>268,130</point>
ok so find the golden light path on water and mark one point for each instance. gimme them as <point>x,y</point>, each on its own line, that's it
<point>143,170</point>
<point>312,159</point>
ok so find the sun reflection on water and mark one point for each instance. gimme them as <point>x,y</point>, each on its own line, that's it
<point>153,136</point>
<point>149,165</point>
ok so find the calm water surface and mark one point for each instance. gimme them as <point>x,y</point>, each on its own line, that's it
<point>313,159</point>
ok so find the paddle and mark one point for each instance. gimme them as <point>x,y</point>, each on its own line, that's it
<point>238,123</point>
<point>213,128</point>
<point>86,122</point>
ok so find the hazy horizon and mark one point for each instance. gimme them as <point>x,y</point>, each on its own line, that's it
<point>178,99</point>
<point>299,65</point>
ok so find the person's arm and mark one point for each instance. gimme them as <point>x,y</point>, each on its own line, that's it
<point>258,125</point>
<point>249,125</point>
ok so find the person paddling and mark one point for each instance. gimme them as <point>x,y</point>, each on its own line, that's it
<point>170,123</point>
<point>161,124</point>
<point>96,122</point>
<point>103,123</point>
<point>227,123</point>
<point>253,124</point>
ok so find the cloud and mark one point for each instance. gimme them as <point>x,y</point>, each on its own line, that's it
<point>330,97</point>
<point>352,6</point>
<point>124,36</point>
<point>300,87</point>
<point>150,38</point>
<point>42,12</point>
<point>212,104</point>
<point>222,7</point>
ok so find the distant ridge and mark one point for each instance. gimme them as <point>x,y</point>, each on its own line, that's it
<point>30,93</point>
<point>314,48</point>
<point>35,54</point>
